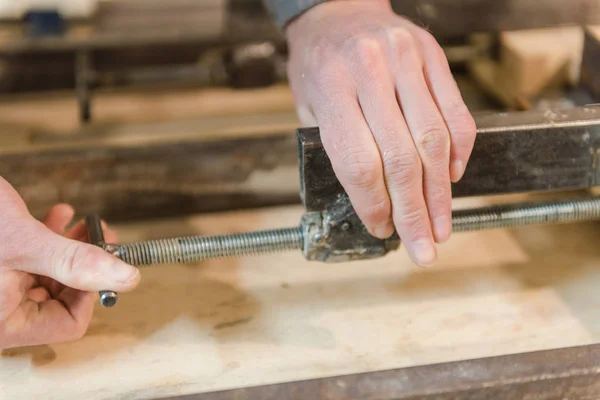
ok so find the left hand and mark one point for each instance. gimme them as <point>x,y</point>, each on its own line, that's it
<point>36,309</point>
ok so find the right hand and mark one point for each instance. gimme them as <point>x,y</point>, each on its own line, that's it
<point>392,119</point>
<point>49,279</point>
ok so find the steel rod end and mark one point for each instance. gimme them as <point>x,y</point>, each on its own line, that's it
<point>108,299</point>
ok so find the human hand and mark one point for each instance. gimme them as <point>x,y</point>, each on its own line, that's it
<point>392,119</point>
<point>49,279</point>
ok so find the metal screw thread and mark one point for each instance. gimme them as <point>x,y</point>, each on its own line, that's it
<point>508,216</point>
<point>196,248</point>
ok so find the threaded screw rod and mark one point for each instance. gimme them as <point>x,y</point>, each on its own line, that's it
<point>515,215</point>
<point>196,248</point>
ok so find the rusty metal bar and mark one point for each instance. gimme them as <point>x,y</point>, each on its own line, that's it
<point>514,152</point>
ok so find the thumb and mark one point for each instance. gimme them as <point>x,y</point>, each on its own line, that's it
<point>76,264</point>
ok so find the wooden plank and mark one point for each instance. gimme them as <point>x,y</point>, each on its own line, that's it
<point>57,113</point>
<point>251,321</point>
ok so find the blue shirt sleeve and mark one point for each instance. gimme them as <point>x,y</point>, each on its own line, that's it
<point>283,11</point>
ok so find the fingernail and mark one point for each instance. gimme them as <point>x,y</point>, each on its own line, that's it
<point>442,228</point>
<point>457,169</point>
<point>424,252</point>
<point>124,273</point>
<point>384,231</point>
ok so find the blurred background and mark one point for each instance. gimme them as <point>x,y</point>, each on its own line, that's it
<point>144,108</point>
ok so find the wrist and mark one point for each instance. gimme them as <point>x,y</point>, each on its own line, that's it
<point>325,8</point>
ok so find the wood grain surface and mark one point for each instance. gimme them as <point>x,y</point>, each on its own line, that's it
<point>276,318</point>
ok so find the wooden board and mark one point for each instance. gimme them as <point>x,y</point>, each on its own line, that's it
<point>529,63</point>
<point>57,113</point>
<point>276,318</point>
<point>533,59</point>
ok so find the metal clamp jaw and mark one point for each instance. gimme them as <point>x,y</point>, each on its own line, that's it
<point>338,235</point>
<point>332,230</point>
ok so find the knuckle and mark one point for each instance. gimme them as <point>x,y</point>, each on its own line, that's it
<point>427,39</point>
<point>412,217</point>
<point>402,40</point>
<point>362,175</point>
<point>433,141</point>
<point>362,170</point>
<point>402,168</point>
<point>368,51</point>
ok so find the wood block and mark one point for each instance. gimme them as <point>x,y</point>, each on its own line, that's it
<point>529,63</point>
<point>530,60</point>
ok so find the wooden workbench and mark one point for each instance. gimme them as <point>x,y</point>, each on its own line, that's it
<point>276,318</point>
<point>259,320</point>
